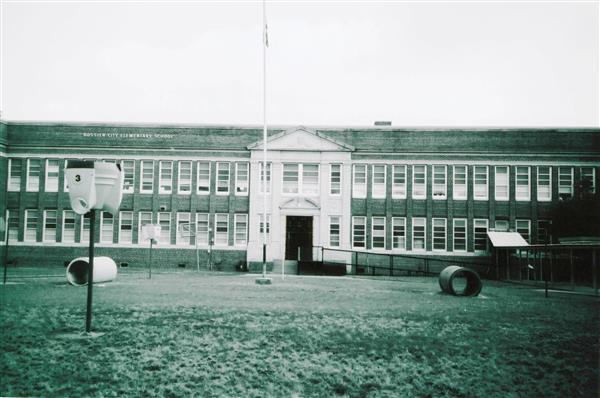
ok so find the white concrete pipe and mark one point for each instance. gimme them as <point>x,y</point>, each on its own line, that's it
<point>105,270</point>
<point>460,281</point>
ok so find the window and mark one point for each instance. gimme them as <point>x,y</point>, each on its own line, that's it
<point>290,178</point>
<point>51,183</point>
<point>221,229</point>
<point>65,182</point>
<point>262,178</point>
<point>335,182</point>
<point>68,226</point>
<point>501,183</point>
<point>459,191</point>
<point>203,178</point>
<point>460,234</point>
<point>182,236</point>
<point>49,233</point>
<point>439,182</point>
<point>358,231</point>
<point>399,181</point>
<point>480,228</point>
<point>480,182</point>
<point>565,182</point>
<point>543,232</point>
<point>128,167</point>
<point>31,222</point>
<point>523,227</point>
<point>12,225</point>
<point>241,229</point>
<point>501,226</point>
<point>202,231</point>
<point>145,218</point>
<point>261,224</point>
<point>522,190</point>
<point>222,178</point>
<point>165,184</point>
<point>334,231</point>
<point>147,183</point>
<point>310,179</point>
<point>378,181</point>
<point>419,181</point>
<point>378,232</point>
<point>106,227</point>
<point>164,220</point>
<point>241,179</point>
<point>184,177</point>
<point>399,233</point>
<point>439,233</point>
<point>126,227</point>
<point>588,174</point>
<point>359,181</point>
<point>14,174</point>
<point>33,175</point>
<point>84,235</point>
<point>544,183</point>
<point>418,227</point>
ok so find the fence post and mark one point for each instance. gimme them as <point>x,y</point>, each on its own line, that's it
<point>572,270</point>
<point>355,262</point>
<point>392,266</point>
<point>594,272</point>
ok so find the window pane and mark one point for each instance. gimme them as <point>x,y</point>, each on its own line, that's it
<point>378,187</point>
<point>68,229</point>
<point>31,223</point>
<point>501,190</point>
<point>522,227</point>
<point>480,182</point>
<point>544,181</point>
<point>128,167</point>
<point>262,178</point>
<point>145,218</point>
<point>418,234</point>
<point>359,181</point>
<point>335,185</point>
<point>460,234</point>
<point>222,178</point>
<point>184,229</point>
<point>49,226</point>
<point>15,170</point>
<point>439,182</point>
<point>13,225</point>
<point>203,177</point>
<point>460,182</point>
<point>241,229</point>
<point>126,227</point>
<point>51,184</point>
<point>221,229</point>
<point>480,228</point>
<point>439,233</point>
<point>166,176</point>
<point>398,233</point>
<point>522,183</point>
<point>565,182</point>
<point>334,231</point>
<point>310,179</point>
<point>419,182</point>
<point>147,176</point>
<point>378,232</point>
<point>241,178</point>
<point>184,185</point>
<point>164,220</point>
<point>399,181</point>
<point>33,174</point>
<point>290,178</point>
<point>202,228</point>
<point>358,231</point>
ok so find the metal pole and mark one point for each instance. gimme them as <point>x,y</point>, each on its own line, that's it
<point>594,272</point>
<point>150,260</point>
<point>507,265</point>
<point>572,270</point>
<point>520,266</point>
<point>88,317</point>
<point>197,252</point>
<point>6,255</point>
<point>265,43</point>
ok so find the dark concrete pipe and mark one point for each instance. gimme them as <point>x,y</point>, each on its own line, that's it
<point>460,281</point>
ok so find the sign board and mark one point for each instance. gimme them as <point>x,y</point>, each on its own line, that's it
<point>151,231</point>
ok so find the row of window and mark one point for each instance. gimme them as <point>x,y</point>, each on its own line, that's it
<point>460,178</point>
<point>439,230</point>
<point>187,226</point>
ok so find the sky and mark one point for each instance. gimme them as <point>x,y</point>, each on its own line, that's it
<point>446,64</point>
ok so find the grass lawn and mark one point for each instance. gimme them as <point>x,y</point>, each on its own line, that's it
<point>201,334</point>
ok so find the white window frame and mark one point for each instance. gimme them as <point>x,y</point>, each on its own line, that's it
<point>287,178</point>
<point>261,220</point>
<point>203,228</point>
<point>481,191</point>
<point>522,191</point>
<point>205,181</point>
<point>141,222</point>
<point>335,223</point>
<point>480,221</point>
<point>501,225</point>
<point>27,232</point>
<point>51,181</point>
<point>562,189</point>
<point>335,183</point>
<point>128,167</point>
<point>239,231</point>
<point>378,232</point>
<point>419,190</point>
<point>12,225</point>
<point>33,181</point>
<point>184,184</point>
<point>70,227</point>
<point>359,189</point>
<point>123,235</point>
<point>242,186</point>
<point>47,231</point>
<point>183,217</point>
<point>454,234</point>
<point>304,187</point>
<point>423,221</point>
<point>442,188</point>
<point>223,166</point>
<point>499,195</point>
<point>378,187</point>
<point>269,179</point>
<point>399,188</point>
<point>544,194</point>
<point>519,226</point>
<point>434,237</point>
<point>364,225</point>
<point>144,178</point>
<point>14,181</point>
<point>103,237</point>
<point>593,176</point>
<point>84,233</point>
<point>460,191</point>
<point>221,218</point>
<point>164,219</point>
<point>399,225</point>
<point>165,182</point>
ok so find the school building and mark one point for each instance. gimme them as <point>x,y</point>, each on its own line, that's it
<point>424,191</point>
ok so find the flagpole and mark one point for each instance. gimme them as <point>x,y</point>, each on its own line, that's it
<point>264,267</point>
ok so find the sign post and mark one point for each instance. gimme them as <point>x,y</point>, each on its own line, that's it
<point>88,313</point>
<point>150,232</point>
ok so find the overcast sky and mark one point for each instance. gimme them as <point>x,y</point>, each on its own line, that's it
<point>344,63</point>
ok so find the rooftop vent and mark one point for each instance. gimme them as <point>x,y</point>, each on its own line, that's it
<point>383,123</point>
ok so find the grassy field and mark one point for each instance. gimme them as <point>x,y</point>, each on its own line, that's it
<point>190,334</point>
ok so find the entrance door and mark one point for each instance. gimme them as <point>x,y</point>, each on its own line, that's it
<point>298,233</point>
